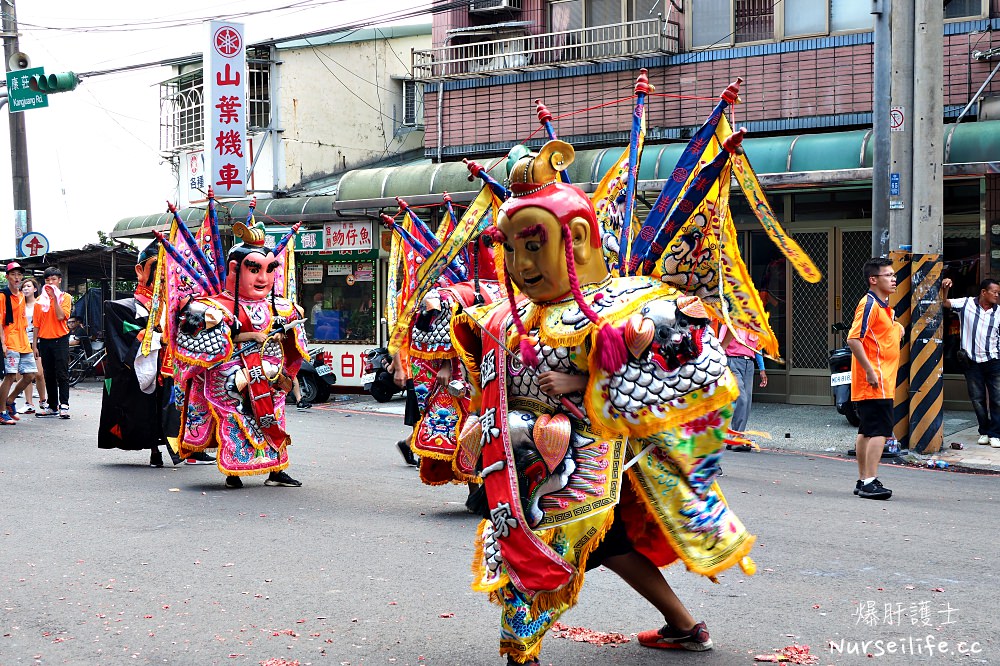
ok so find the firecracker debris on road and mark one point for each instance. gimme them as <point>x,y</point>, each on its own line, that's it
<point>109,561</point>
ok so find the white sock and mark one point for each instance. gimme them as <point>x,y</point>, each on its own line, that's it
<point>865,482</point>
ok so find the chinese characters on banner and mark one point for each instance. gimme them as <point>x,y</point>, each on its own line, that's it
<point>347,235</point>
<point>194,183</point>
<point>225,109</point>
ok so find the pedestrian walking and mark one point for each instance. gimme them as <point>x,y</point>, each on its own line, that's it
<point>17,354</point>
<point>51,314</point>
<point>979,353</point>
<point>874,341</point>
<point>741,356</point>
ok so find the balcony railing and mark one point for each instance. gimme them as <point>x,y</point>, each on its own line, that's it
<point>554,49</point>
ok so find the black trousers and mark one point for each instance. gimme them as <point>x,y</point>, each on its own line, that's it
<point>54,353</point>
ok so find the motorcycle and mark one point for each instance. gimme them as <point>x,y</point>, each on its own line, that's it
<point>840,376</point>
<point>316,378</point>
<point>376,377</point>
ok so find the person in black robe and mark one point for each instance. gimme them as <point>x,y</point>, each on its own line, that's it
<point>137,411</point>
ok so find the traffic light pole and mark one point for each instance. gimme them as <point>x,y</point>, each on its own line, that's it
<point>18,135</point>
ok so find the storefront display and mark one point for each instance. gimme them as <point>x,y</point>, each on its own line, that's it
<point>341,306</point>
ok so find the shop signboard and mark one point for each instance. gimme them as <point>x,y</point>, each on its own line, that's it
<point>339,269</point>
<point>194,183</point>
<point>225,109</point>
<point>307,241</point>
<point>347,235</point>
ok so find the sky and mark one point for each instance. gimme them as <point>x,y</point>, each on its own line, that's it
<point>93,154</point>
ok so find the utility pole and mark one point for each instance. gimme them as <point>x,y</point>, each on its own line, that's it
<point>901,133</point>
<point>928,141</point>
<point>881,85</point>
<point>18,135</point>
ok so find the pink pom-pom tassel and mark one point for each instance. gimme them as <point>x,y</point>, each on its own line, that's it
<point>610,349</point>
<point>528,356</point>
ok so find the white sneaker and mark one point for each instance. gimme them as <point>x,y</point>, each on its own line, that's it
<point>984,439</point>
<point>64,414</point>
<point>995,442</point>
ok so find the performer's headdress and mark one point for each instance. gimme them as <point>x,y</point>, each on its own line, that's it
<point>151,251</point>
<point>535,182</point>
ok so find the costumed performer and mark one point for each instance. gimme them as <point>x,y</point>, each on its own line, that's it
<point>236,353</point>
<point>442,394</point>
<point>600,441</point>
<point>137,410</point>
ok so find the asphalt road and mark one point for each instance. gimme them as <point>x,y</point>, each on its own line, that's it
<point>104,560</point>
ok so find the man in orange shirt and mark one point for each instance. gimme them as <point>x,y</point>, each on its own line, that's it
<point>51,312</point>
<point>17,354</point>
<point>874,342</point>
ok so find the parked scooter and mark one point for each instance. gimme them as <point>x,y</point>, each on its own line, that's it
<point>376,377</point>
<point>316,378</point>
<point>840,376</point>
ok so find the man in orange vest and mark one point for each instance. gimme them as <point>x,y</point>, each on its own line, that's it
<point>874,342</point>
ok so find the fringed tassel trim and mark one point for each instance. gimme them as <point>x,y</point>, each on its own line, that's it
<point>568,594</point>
<point>734,558</point>
<point>444,354</point>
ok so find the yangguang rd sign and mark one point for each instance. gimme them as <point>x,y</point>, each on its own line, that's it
<point>19,96</point>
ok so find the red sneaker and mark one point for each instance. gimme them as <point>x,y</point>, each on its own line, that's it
<point>668,638</point>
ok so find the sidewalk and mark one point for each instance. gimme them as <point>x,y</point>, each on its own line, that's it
<point>806,428</point>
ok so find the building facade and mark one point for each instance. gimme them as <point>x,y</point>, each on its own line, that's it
<point>319,106</point>
<point>807,101</point>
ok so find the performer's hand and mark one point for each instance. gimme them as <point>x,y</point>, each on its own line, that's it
<point>871,377</point>
<point>555,384</point>
<point>444,375</point>
<point>946,284</point>
<point>255,336</point>
<point>763,379</point>
<point>399,377</point>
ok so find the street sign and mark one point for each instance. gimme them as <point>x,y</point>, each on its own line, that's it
<point>897,119</point>
<point>19,96</point>
<point>32,244</point>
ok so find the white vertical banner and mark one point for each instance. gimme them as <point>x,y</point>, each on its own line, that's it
<point>225,109</point>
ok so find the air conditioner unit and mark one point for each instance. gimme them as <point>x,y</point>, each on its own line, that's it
<point>484,6</point>
<point>989,107</point>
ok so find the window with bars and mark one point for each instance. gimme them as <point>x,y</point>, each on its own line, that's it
<point>182,104</point>
<point>413,103</point>
<point>766,20</point>
<point>754,20</point>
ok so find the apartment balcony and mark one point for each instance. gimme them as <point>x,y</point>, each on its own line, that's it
<point>526,52</point>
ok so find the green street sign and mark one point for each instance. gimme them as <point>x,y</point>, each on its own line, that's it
<point>20,97</point>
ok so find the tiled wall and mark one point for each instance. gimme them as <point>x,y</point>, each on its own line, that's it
<point>807,85</point>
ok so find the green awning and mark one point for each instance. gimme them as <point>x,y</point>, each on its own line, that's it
<point>411,183</point>
<point>273,211</point>
<point>803,161</point>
